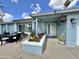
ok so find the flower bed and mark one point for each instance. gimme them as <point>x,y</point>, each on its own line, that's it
<point>34,47</point>
<point>35,38</point>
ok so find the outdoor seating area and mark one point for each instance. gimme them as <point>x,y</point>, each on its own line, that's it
<point>11,37</point>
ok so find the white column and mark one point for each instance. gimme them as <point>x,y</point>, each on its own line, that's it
<point>32,25</point>
<point>77,36</point>
<point>36,26</point>
<point>6,28</point>
<point>15,27</point>
<point>0,28</point>
<point>22,28</point>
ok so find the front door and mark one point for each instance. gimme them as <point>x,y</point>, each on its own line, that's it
<point>51,29</point>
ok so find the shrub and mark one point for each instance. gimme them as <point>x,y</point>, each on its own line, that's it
<point>61,38</point>
<point>32,34</point>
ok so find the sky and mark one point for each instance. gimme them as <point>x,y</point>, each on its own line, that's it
<point>18,9</point>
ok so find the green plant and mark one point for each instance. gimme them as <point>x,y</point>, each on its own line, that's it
<point>61,38</point>
<point>34,37</point>
<point>32,34</point>
<point>67,3</point>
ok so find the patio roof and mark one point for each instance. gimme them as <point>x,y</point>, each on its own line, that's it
<point>54,16</point>
<point>56,12</point>
<point>18,21</point>
<point>23,21</point>
<point>50,17</point>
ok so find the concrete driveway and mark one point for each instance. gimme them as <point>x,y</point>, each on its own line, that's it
<point>54,50</point>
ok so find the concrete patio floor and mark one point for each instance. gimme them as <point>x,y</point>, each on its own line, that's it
<point>54,50</point>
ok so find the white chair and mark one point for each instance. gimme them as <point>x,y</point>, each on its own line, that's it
<point>4,40</point>
<point>14,37</point>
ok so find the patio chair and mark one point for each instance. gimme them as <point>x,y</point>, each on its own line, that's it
<point>24,34</point>
<point>17,37</point>
<point>3,39</point>
<point>14,37</point>
<point>6,33</point>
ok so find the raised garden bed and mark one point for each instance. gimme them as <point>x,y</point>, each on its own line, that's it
<point>34,47</point>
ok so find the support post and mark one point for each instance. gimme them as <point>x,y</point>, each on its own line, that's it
<point>0,29</point>
<point>6,28</point>
<point>32,25</point>
<point>36,26</point>
<point>15,27</point>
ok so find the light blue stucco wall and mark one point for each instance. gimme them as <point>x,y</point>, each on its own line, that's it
<point>3,28</point>
<point>61,31</point>
<point>9,28</point>
<point>78,30</point>
<point>12,27</point>
<point>41,27</point>
<point>71,30</point>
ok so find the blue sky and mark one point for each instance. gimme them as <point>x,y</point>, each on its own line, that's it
<point>17,7</point>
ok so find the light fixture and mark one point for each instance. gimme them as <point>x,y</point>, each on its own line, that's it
<point>73,20</point>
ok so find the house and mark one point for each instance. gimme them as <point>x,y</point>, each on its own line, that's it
<point>21,25</point>
<point>62,24</point>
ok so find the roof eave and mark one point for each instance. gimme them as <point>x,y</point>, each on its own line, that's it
<point>56,12</point>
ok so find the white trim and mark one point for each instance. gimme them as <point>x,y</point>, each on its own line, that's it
<point>6,28</point>
<point>15,27</point>
<point>0,29</point>
<point>33,24</point>
<point>36,26</point>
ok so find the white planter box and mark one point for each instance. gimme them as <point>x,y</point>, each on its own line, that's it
<point>34,47</point>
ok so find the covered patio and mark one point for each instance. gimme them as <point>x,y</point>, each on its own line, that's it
<point>61,24</point>
<point>53,25</point>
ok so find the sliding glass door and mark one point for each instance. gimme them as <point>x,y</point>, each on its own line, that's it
<point>51,29</point>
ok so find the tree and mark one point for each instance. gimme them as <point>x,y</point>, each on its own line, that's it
<point>67,2</point>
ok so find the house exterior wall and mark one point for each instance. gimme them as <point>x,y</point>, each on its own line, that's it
<point>3,28</point>
<point>14,27</point>
<point>41,27</point>
<point>77,32</point>
<point>11,28</point>
<point>24,27</point>
<point>61,31</point>
<point>72,30</point>
<point>8,28</point>
<point>77,29</point>
<point>0,29</point>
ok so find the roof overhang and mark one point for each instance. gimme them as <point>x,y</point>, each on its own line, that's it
<point>54,16</point>
<point>51,17</point>
<point>56,12</point>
